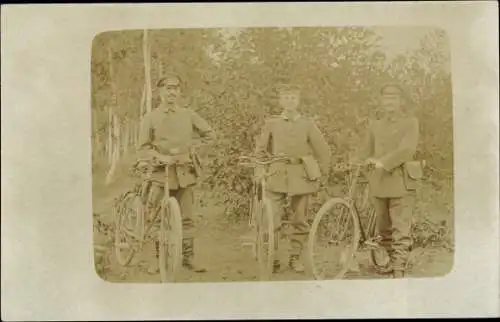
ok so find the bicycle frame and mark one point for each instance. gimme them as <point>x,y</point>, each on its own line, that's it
<point>364,240</point>
<point>353,185</point>
<point>145,235</point>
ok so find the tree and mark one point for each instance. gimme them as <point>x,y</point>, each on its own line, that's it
<point>230,78</point>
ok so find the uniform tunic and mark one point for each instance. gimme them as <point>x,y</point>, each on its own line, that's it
<point>293,137</point>
<point>172,130</point>
<point>394,143</point>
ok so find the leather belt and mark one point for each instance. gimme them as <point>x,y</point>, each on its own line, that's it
<point>295,161</point>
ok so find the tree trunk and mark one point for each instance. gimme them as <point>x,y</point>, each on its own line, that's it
<point>147,69</point>
<point>114,144</point>
<point>110,135</point>
<point>126,141</point>
<point>136,124</point>
<point>146,100</point>
<point>118,136</point>
<point>160,69</point>
<point>116,149</point>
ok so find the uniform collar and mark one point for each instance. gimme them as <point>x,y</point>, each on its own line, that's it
<point>168,109</point>
<point>393,117</point>
<point>290,117</point>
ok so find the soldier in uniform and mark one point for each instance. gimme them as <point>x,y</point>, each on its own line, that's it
<point>297,137</point>
<point>390,147</point>
<point>168,131</point>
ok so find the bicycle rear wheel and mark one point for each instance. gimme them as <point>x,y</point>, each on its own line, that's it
<point>170,237</point>
<point>378,255</point>
<point>265,239</point>
<point>333,240</point>
<point>128,213</point>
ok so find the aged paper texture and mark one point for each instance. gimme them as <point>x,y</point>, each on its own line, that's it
<point>381,120</point>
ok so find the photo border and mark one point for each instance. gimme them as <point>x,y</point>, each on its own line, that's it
<point>47,266</point>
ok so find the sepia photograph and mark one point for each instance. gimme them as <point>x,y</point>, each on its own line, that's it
<point>272,154</point>
<point>223,161</point>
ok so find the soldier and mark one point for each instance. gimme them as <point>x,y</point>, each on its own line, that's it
<point>297,137</point>
<point>390,147</point>
<point>168,131</point>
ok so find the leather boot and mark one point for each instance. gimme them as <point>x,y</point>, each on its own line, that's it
<point>295,264</point>
<point>188,256</point>
<point>276,266</point>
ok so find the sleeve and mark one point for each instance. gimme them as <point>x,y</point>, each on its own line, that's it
<point>146,133</point>
<point>201,126</point>
<point>367,145</point>
<point>405,150</point>
<point>320,147</point>
<point>262,144</point>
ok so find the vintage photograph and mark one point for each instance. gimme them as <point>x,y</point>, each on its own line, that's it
<point>272,154</point>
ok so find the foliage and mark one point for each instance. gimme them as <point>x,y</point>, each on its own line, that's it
<point>230,77</point>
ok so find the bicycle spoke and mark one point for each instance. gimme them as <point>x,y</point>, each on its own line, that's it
<point>331,256</point>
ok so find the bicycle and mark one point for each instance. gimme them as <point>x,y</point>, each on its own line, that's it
<point>345,232</point>
<point>131,231</point>
<point>261,220</point>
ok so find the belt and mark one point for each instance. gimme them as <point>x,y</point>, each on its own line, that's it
<point>174,151</point>
<point>291,160</point>
<point>295,161</point>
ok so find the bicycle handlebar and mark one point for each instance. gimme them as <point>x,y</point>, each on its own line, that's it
<point>156,161</point>
<point>351,166</point>
<point>255,161</point>
<point>356,166</point>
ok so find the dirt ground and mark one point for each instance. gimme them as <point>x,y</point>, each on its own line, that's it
<point>219,249</point>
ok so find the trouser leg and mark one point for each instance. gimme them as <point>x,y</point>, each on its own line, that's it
<point>401,213</point>
<point>153,199</point>
<point>299,204</point>
<point>277,201</point>
<point>185,198</point>
<point>383,223</point>
<point>298,238</point>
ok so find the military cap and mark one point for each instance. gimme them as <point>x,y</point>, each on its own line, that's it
<point>391,89</point>
<point>169,75</point>
<point>287,87</point>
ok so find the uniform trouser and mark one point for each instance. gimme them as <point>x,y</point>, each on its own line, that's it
<point>299,204</point>
<point>394,219</point>
<point>185,198</point>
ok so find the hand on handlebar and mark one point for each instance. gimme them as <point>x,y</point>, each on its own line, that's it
<point>371,162</point>
<point>323,181</point>
<point>159,158</point>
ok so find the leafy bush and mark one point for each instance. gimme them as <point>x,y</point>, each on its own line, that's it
<point>230,78</point>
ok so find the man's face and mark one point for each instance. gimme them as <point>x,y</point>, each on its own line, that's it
<point>391,102</point>
<point>171,90</point>
<point>289,100</point>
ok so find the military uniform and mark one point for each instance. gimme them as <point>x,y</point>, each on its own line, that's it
<point>393,142</point>
<point>295,137</point>
<point>171,131</point>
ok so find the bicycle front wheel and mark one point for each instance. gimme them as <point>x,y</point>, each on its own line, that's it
<point>333,240</point>
<point>170,245</point>
<point>379,258</point>
<point>265,239</point>
<point>129,227</point>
